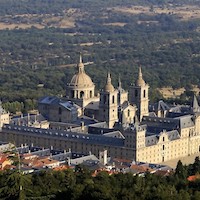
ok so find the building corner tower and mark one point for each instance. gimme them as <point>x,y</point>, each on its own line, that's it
<point>108,108</point>
<point>139,96</point>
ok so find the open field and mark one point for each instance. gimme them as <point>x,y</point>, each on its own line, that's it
<point>185,12</point>
<point>67,20</point>
<point>115,24</point>
<point>19,26</point>
<point>169,92</point>
<point>69,17</point>
<point>50,22</point>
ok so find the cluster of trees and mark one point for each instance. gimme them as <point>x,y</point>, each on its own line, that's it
<point>81,184</point>
<point>16,106</point>
<point>167,48</point>
<point>10,7</point>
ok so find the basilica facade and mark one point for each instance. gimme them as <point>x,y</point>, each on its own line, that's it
<point>111,104</point>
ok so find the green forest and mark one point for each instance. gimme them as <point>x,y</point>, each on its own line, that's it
<point>36,62</point>
<point>80,185</point>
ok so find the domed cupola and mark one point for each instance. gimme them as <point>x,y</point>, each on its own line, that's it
<point>81,85</point>
<point>109,87</point>
<point>140,81</point>
<point>81,79</point>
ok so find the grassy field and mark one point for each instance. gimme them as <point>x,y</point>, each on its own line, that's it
<point>70,16</point>
<point>186,12</point>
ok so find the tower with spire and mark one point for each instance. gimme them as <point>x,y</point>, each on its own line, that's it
<point>108,108</point>
<point>139,96</point>
<point>122,94</point>
<point>195,105</point>
<point>81,89</point>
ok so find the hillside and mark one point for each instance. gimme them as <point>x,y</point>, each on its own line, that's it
<point>39,40</point>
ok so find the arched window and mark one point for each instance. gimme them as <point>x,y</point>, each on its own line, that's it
<point>72,94</point>
<point>81,94</point>
<point>90,94</point>
<point>113,99</point>
<point>104,99</point>
<point>60,110</point>
<point>128,113</point>
<point>144,93</point>
<point>136,93</point>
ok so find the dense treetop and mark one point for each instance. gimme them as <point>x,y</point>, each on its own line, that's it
<point>81,184</point>
<point>35,62</point>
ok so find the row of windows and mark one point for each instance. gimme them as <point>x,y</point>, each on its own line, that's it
<point>105,99</point>
<point>144,93</point>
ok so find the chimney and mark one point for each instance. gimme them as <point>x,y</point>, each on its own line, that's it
<point>19,122</point>
<point>103,157</point>
<point>28,119</point>
<point>68,161</point>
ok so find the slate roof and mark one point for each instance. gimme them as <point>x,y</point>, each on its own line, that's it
<point>94,105</point>
<point>195,105</point>
<point>157,124</point>
<point>153,139</point>
<point>173,135</point>
<point>116,134</point>
<point>159,106</point>
<point>52,100</point>
<point>65,135</point>
<point>91,158</point>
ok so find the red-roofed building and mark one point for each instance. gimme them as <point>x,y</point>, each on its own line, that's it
<point>62,167</point>
<point>4,161</point>
<point>193,178</point>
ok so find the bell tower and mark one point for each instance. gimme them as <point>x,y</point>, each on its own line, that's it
<point>139,96</point>
<point>108,109</point>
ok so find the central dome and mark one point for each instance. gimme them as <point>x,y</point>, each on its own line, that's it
<point>81,79</point>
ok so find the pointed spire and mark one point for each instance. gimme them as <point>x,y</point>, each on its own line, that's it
<point>81,65</point>
<point>119,83</point>
<point>108,78</point>
<point>195,105</point>
<point>137,122</point>
<point>140,73</point>
<point>81,60</point>
<point>140,81</point>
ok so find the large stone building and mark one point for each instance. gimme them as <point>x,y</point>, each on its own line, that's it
<point>123,123</point>
<point>111,105</point>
